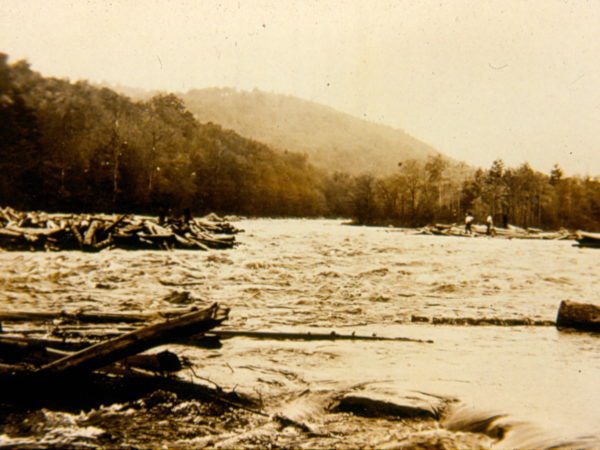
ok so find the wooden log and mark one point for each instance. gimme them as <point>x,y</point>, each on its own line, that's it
<point>185,242</point>
<point>7,231</point>
<point>91,317</point>
<point>580,316</point>
<point>21,231</point>
<point>85,337</point>
<point>104,243</point>
<point>115,223</point>
<point>214,243</point>
<point>154,228</point>
<point>199,245</point>
<point>89,238</point>
<point>104,353</point>
<point>58,344</point>
<point>333,336</point>
<point>76,233</point>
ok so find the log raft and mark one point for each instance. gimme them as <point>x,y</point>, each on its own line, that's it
<point>511,232</point>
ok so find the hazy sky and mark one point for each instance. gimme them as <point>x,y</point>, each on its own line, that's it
<point>478,80</point>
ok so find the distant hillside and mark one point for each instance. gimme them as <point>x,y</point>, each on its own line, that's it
<point>333,140</point>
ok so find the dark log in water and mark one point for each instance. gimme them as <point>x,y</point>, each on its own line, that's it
<point>162,362</point>
<point>580,316</point>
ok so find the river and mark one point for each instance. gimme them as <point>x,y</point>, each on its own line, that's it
<point>322,276</point>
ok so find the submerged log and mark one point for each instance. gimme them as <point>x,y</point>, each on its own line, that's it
<point>162,362</point>
<point>104,353</point>
<point>580,316</point>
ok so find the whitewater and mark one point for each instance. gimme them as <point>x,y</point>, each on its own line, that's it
<point>323,276</point>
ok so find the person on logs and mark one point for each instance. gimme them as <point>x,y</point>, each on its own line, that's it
<point>469,219</point>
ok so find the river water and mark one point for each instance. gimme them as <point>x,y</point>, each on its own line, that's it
<point>322,276</point>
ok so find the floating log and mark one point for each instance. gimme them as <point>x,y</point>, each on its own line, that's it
<point>59,344</point>
<point>200,341</point>
<point>580,316</point>
<point>89,317</point>
<point>104,353</point>
<point>482,321</point>
<point>333,336</point>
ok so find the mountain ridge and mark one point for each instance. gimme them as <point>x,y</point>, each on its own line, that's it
<point>333,140</point>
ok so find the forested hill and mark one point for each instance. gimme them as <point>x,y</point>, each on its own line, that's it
<point>331,139</point>
<point>72,146</point>
<point>77,147</point>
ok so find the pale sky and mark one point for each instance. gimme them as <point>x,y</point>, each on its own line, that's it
<point>478,80</point>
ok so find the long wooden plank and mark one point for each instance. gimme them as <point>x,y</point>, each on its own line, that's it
<point>104,353</point>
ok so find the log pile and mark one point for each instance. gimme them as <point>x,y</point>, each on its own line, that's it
<point>39,231</point>
<point>511,232</point>
<point>44,363</point>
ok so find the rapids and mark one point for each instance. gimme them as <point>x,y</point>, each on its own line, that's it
<point>322,276</point>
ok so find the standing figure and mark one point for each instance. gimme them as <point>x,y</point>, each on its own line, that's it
<point>489,222</point>
<point>469,218</point>
<point>162,215</point>
<point>187,215</point>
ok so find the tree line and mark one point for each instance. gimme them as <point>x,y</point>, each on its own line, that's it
<point>75,147</point>
<point>424,193</point>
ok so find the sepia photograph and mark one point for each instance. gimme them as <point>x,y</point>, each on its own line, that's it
<point>300,224</point>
